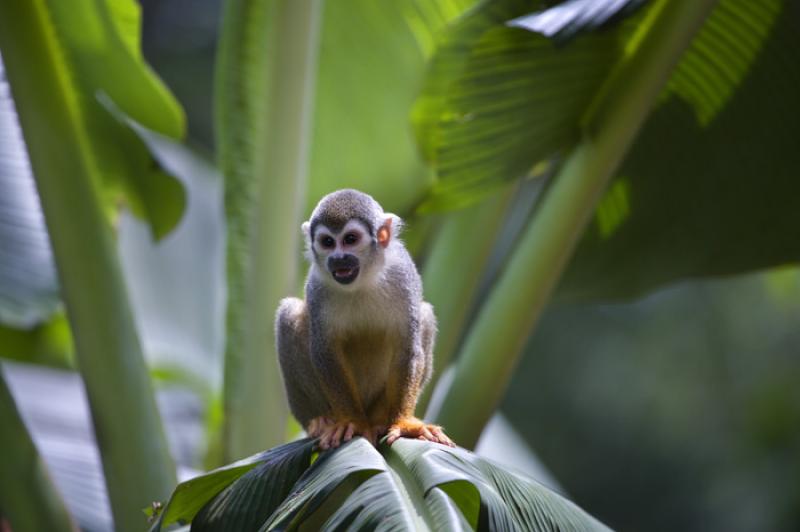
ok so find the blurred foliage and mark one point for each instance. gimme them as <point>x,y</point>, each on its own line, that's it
<point>96,58</point>
<point>611,108</point>
<point>698,194</point>
<point>47,343</point>
<point>61,60</point>
<point>710,186</point>
<point>497,100</point>
<point>94,48</point>
<point>28,287</point>
<point>678,412</point>
<point>28,498</point>
<point>371,64</point>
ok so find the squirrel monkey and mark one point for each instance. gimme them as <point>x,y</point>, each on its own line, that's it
<point>357,351</point>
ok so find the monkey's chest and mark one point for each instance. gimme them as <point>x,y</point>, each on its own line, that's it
<point>370,354</point>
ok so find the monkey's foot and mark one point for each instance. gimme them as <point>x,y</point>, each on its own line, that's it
<point>338,432</point>
<point>317,425</point>
<point>411,427</point>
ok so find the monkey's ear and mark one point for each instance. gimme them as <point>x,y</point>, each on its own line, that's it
<point>306,228</point>
<point>385,231</point>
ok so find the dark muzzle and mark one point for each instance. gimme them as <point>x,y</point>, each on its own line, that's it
<point>344,268</point>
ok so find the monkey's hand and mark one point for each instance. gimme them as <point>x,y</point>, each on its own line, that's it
<point>335,433</point>
<point>411,427</point>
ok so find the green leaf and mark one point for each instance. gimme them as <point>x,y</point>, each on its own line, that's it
<point>254,497</point>
<point>710,187</point>
<point>455,502</point>
<point>569,18</point>
<point>354,462</point>
<point>508,500</point>
<point>275,471</point>
<point>499,100</point>
<point>411,485</point>
<point>163,194</point>
<point>95,46</point>
<point>721,55</point>
<point>393,500</point>
<point>379,501</point>
<point>47,343</point>
<point>492,109</point>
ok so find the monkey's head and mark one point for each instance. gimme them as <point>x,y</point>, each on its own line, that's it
<point>348,237</point>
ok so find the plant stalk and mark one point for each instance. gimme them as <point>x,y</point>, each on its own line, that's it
<point>509,315</point>
<point>453,271</point>
<point>136,460</point>
<point>265,77</point>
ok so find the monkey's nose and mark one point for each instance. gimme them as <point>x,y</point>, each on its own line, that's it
<point>342,262</point>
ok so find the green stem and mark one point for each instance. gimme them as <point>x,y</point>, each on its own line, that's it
<point>28,497</point>
<point>136,460</point>
<point>264,95</point>
<point>453,270</point>
<point>506,320</point>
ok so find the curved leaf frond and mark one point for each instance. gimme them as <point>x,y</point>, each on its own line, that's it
<point>499,99</point>
<point>721,55</point>
<point>354,462</point>
<point>508,500</point>
<point>710,176</point>
<point>379,502</point>
<point>275,471</point>
<point>710,185</point>
<point>412,485</point>
<point>247,503</point>
<point>567,19</point>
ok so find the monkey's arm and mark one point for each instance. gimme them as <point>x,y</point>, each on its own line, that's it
<point>306,401</point>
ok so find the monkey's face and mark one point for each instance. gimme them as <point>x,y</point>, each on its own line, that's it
<point>344,254</point>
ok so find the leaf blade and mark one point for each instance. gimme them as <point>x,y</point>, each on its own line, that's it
<point>192,496</point>
<point>699,194</point>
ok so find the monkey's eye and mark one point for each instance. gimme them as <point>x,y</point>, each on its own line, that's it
<point>350,239</point>
<point>327,242</point>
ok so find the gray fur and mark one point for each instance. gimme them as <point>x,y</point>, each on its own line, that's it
<point>338,208</point>
<point>362,351</point>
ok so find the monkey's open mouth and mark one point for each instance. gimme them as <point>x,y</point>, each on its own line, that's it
<point>345,275</point>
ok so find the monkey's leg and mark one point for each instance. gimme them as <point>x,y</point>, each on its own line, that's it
<point>306,401</point>
<point>340,387</point>
<point>418,369</point>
